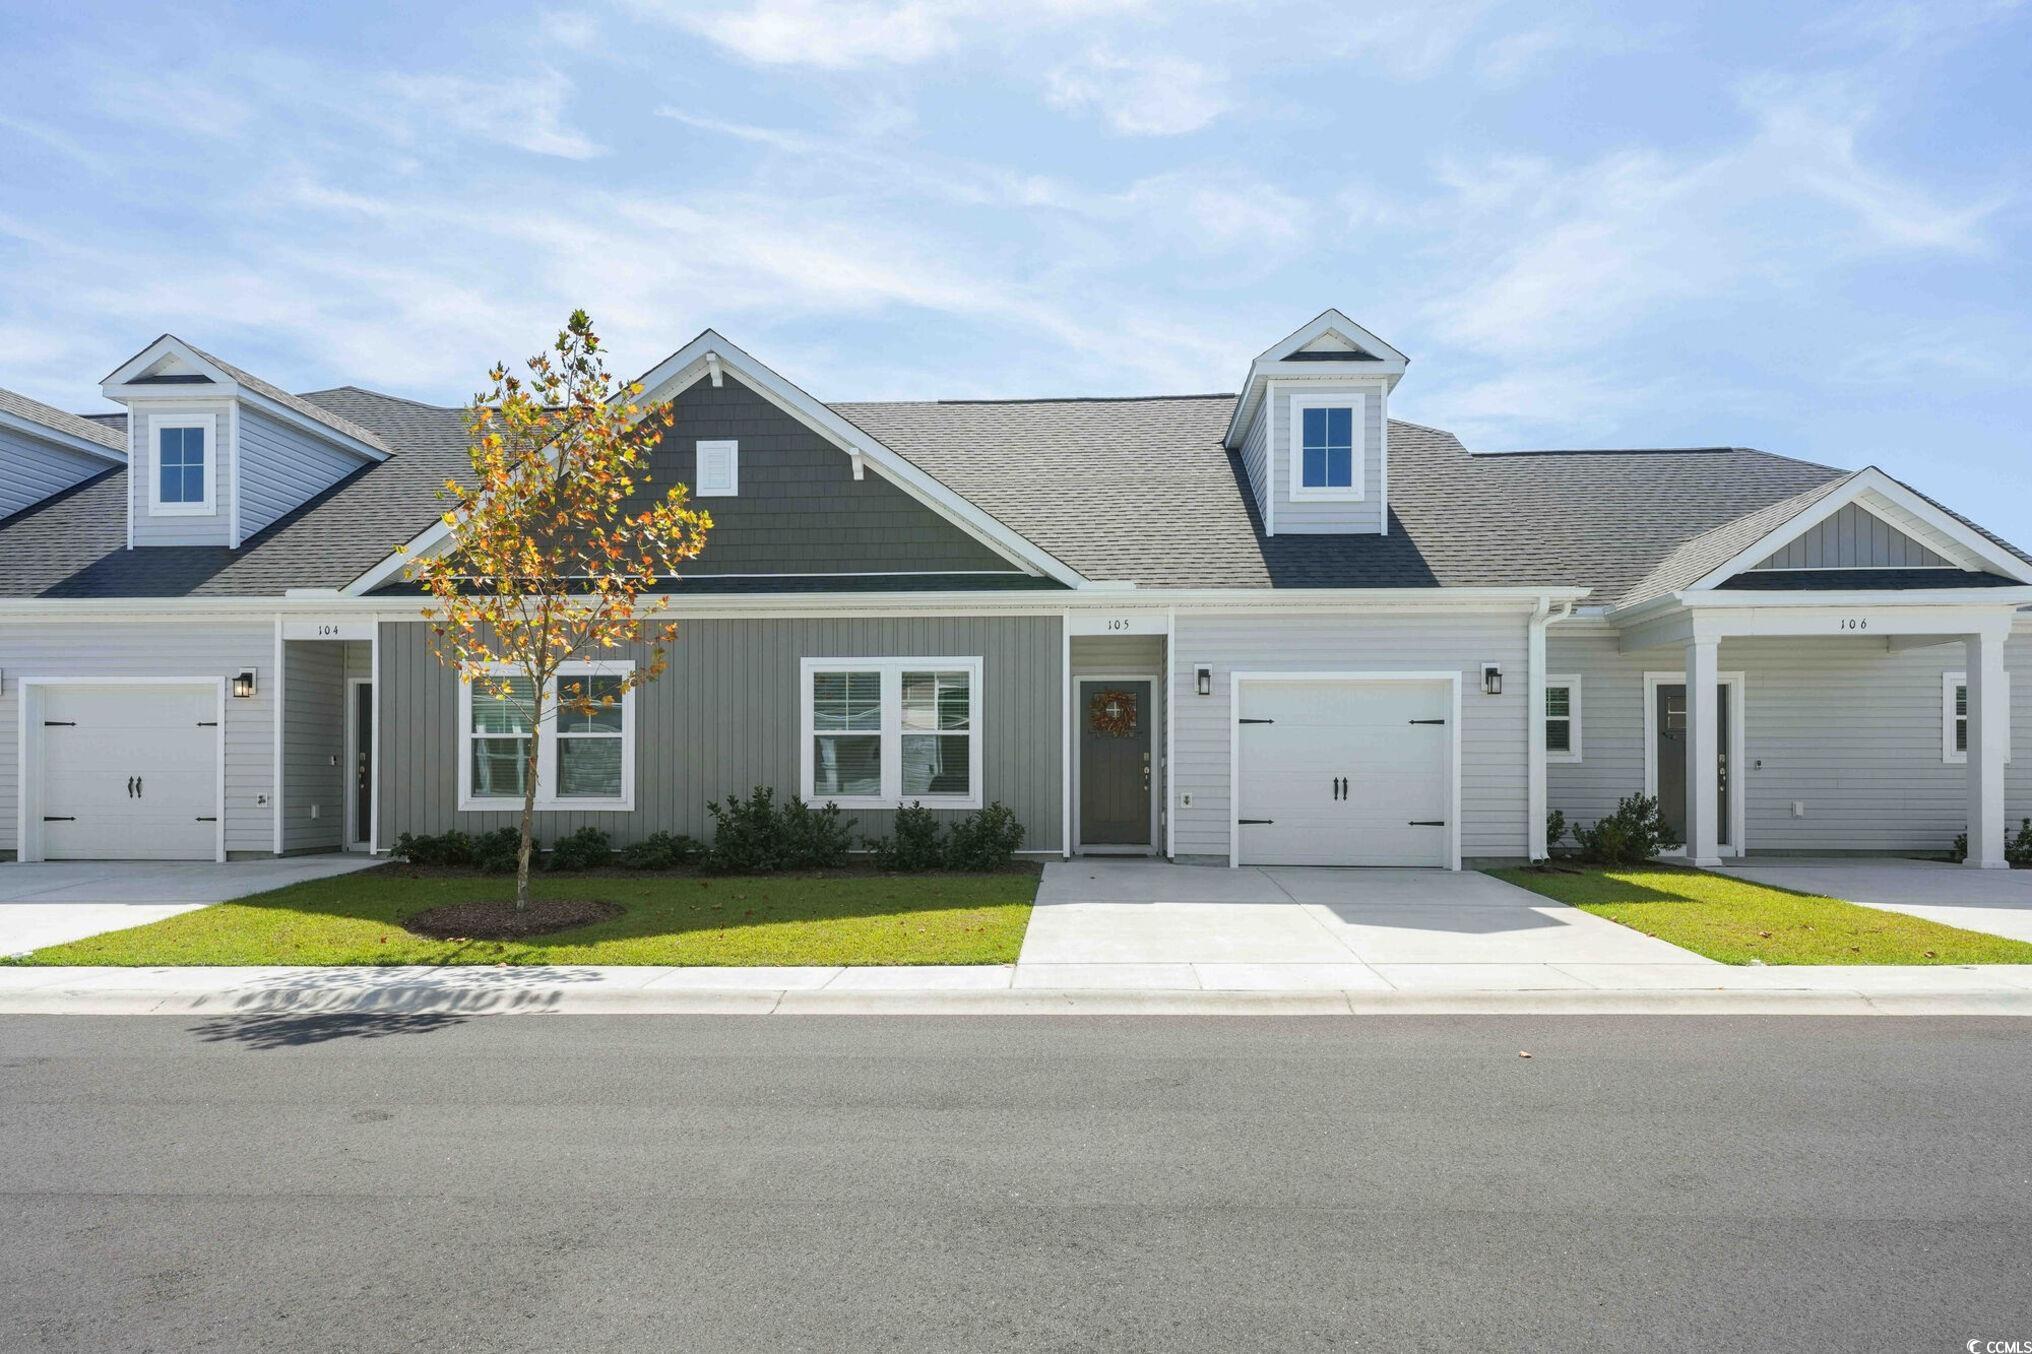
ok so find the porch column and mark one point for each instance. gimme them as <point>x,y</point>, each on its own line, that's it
<point>1989,735</point>
<point>1703,831</point>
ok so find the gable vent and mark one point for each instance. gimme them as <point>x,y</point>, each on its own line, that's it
<point>719,469</point>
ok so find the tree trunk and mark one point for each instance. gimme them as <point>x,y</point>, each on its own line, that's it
<point>524,852</point>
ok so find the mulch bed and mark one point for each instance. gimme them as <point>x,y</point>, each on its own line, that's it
<point>500,921</point>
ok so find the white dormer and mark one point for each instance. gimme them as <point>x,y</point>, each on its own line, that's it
<point>216,455</point>
<point>1312,428</point>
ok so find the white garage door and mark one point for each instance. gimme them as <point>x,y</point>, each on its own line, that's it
<point>129,772</point>
<point>1344,773</point>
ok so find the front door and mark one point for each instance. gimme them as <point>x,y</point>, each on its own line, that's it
<point>1114,764</point>
<point>361,756</point>
<point>1671,754</point>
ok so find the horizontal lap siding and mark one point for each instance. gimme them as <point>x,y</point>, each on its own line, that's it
<point>282,468</point>
<point>1848,728</point>
<point>726,717</point>
<point>1312,515</point>
<point>213,528</point>
<point>31,470</point>
<point>193,649</point>
<point>1492,737</point>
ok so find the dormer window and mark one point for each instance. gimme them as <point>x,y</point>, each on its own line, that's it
<point>1326,446</point>
<point>183,477</point>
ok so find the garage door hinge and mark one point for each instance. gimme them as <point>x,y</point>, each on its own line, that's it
<point>208,724</point>
<point>1426,822</point>
<point>1255,721</point>
<point>59,724</point>
<point>58,818</point>
<point>1428,721</point>
<point>1260,822</point>
<point>208,820</point>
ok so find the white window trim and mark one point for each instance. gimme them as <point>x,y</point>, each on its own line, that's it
<point>209,425</point>
<point>1948,751</point>
<point>891,670</point>
<point>1571,682</point>
<point>546,745</point>
<point>1357,402</point>
<point>731,488</point>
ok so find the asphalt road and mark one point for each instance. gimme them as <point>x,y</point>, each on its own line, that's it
<point>697,1183</point>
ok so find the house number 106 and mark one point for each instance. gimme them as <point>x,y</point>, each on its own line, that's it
<point>1852,623</point>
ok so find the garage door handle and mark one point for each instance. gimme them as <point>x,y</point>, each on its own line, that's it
<point>1426,822</point>
<point>130,787</point>
<point>1428,721</point>
<point>1255,822</point>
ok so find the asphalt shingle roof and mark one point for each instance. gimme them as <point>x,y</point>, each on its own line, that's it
<point>49,416</point>
<point>1138,490</point>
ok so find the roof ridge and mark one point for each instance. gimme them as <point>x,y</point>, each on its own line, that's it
<point>382,395</point>
<point>1047,399</point>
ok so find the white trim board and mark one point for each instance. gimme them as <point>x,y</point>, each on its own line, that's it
<point>1738,723</point>
<point>1451,677</point>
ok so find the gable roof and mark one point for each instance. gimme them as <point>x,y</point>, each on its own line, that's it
<point>167,344</point>
<point>69,428</point>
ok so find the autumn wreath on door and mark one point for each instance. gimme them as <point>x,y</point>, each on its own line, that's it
<point>1112,713</point>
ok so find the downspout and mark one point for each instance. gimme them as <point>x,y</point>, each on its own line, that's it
<point>1534,723</point>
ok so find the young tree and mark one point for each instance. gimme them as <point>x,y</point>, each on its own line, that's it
<point>552,548</point>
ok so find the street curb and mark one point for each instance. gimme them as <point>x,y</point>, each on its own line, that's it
<point>467,998</point>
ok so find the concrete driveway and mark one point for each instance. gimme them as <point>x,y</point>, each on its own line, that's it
<point>1996,901</point>
<point>53,902</point>
<point>1161,926</point>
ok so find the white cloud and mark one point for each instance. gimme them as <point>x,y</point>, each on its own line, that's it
<point>573,30</point>
<point>1147,95</point>
<point>830,34</point>
<point>521,110</point>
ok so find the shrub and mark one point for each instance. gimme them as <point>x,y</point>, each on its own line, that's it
<point>746,838</point>
<point>1959,851</point>
<point>986,839</point>
<point>914,844</point>
<point>659,851</point>
<point>450,848</point>
<point>812,838</point>
<point>587,849</point>
<point>2017,851</point>
<point>495,852</point>
<point>1631,835</point>
<point>1555,828</point>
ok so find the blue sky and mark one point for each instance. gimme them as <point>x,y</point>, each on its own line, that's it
<point>1799,227</point>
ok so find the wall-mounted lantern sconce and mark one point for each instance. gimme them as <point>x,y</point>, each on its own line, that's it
<point>1204,679</point>
<point>243,685</point>
<point>1492,680</point>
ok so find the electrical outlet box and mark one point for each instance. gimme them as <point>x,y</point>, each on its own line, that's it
<point>1185,800</point>
<point>1798,808</point>
<point>313,810</point>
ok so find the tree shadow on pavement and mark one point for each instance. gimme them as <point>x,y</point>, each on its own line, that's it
<point>301,1031</point>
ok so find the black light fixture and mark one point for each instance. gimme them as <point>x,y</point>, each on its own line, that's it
<point>243,684</point>
<point>1204,678</point>
<point>1492,680</point>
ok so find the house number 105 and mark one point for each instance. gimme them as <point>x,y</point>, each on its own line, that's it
<point>1118,624</point>
<point>1852,623</point>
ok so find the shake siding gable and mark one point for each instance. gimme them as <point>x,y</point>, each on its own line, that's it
<point>31,469</point>
<point>727,717</point>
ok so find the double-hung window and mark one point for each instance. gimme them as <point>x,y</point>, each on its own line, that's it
<point>882,731</point>
<point>585,742</point>
<point>1562,719</point>
<point>1954,723</point>
<point>184,472</point>
<point>1326,446</point>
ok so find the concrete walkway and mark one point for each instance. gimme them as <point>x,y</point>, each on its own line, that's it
<point>53,902</point>
<point>1996,901</point>
<point>1135,924</point>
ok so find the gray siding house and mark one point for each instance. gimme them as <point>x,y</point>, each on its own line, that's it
<point>1272,626</point>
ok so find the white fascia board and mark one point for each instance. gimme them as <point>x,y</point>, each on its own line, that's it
<point>1857,597</point>
<point>1870,482</point>
<point>169,345</point>
<point>325,431</point>
<point>1331,321</point>
<point>118,388</point>
<point>68,441</point>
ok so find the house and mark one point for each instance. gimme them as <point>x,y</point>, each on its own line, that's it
<point>1275,626</point>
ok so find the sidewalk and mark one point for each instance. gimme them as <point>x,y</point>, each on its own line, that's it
<point>1186,989</point>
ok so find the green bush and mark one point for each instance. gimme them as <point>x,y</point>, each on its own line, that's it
<point>813,838</point>
<point>495,852</point>
<point>587,849</point>
<point>986,839</point>
<point>449,848</point>
<point>659,851</point>
<point>1555,828</point>
<point>1632,835</point>
<point>2017,851</point>
<point>915,843</point>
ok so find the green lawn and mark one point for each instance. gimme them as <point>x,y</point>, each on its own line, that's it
<point>1736,921</point>
<point>844,918</point>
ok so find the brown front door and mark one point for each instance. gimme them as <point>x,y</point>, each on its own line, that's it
<point>1114,763</point>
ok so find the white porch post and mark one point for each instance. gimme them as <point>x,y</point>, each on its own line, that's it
<point>1989,735</point>
<point>1534,717</point>
<point>1703,837</point>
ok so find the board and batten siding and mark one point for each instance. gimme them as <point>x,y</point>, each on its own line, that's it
<point>1294,516</point>
<point>32,469</point>
<point>1854,538</point>
<point>282,468</point>
<point>726,716</point>
<point>314,745</point>
<point>1843,727</point>
<point>1493,753</point>
<point>213,528</point>
<point>191,649</point>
